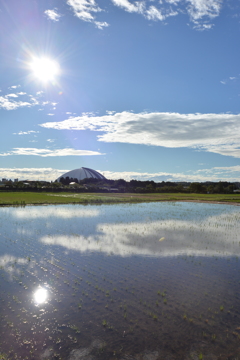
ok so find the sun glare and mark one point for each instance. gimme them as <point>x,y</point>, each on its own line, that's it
<point>40,296</point>
<point>44,69</point>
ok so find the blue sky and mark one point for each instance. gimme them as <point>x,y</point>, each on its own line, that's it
<point>134,89</point>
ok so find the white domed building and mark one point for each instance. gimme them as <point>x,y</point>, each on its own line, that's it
<point>82,173</point>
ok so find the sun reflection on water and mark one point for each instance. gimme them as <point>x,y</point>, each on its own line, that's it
<point>40,295</point>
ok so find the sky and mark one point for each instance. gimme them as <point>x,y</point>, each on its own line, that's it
<point>144,90</point>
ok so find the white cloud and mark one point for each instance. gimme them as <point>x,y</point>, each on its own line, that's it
<point>52,14</point>
<point>26,132</point>
<point>7,104</point>
<point>12,95</point>
<point>48,152</point>
<point>231,174</point>
<point>173,2</point>
<point>47,174</point>
<point>203,11</point>
<point>154,14</point>
<point>218,133</point>
<point>84,10</point>
<point>221,172</point>
<point>199,11</point>
<point>137,6</point>
<point>39,93</point>
<point>14,86</point>
<point>100,25</point>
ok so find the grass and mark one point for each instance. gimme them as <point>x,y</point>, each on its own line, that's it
<point>35,198</point>
<point>3,356</point>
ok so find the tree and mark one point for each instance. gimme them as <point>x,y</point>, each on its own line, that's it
<point>196,188</point>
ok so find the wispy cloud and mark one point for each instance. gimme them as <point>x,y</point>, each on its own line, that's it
<point>201,12</point>
<point>39,93</point>
<point>229,80</point>
<point>200,9</point>
<point>231,174</point>
<point>46,174</point>
<point>85,10</point>
<point>26,132</point>
<point>7,104</point>
<point>136,6</point>
<point>52,15</point>
<point>12,95</point>
<point>14,86</point>
<point>10,101</point>
<point>48,152</point>
<point>218,133</point>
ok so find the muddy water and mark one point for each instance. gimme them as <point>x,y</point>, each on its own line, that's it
<point>142,281</point>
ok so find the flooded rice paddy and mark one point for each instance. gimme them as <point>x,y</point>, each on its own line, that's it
<point>134,281</point>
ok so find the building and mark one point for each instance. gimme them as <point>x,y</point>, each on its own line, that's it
<point>82,173</point>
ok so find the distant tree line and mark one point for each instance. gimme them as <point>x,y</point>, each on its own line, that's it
<point>121,185</point>
<point>149,186</point>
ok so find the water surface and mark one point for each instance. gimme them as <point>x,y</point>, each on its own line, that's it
<point>130,281</point>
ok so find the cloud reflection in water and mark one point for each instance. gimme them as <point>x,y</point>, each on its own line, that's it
<point>53,211</point>
<point>213,236</point>
<point>9,263</point>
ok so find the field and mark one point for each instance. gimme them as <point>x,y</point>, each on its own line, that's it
<point>146,281</point>
<point>35,198</point>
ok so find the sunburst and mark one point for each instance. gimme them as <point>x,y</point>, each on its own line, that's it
<point>45,69</point>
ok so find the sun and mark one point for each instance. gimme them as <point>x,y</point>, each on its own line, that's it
<point>44,69</point>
